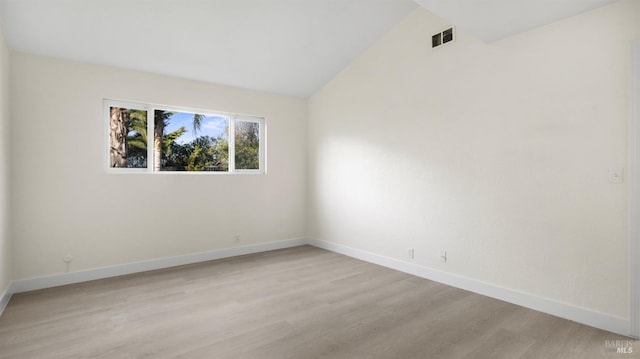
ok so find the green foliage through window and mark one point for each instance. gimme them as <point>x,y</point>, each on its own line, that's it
<point>247,136</point>
<point>183,141</point>
<point>127,138</point>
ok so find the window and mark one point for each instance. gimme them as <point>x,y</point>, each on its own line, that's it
<point>247,144</point>
<point>127,136</point>
<point>152,138</point>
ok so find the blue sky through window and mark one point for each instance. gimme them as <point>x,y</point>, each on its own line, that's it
<point>212,126</point>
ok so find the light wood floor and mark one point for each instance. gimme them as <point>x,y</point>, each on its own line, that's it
<point>301,302</point>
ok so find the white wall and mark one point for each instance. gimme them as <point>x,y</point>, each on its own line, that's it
<point>5,230</point>
<point>497,153</point>
<point>65,202</point>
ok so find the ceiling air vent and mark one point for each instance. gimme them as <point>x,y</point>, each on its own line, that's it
<point>442,38</point>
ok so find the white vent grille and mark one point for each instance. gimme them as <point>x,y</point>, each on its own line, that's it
<point>442,38</point>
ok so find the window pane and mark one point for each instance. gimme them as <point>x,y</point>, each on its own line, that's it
<point>185,141</point>
<point>127,138</point>
<point>247,145</point>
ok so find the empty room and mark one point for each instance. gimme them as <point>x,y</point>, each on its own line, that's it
<point>319,179</point>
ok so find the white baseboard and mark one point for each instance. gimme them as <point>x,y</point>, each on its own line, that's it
<point>25,285</point>
<point>581,315</point>
<point>4,297</point>
<point>563,310</point>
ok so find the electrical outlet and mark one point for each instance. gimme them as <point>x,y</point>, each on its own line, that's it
<point>236,238</point>
<point>443,256</point>
<point>616,175</point>
<point>410,253</point>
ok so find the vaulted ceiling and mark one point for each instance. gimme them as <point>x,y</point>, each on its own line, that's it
<point>289,47</point>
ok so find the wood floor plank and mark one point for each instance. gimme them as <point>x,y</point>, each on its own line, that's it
<point>300,302</point>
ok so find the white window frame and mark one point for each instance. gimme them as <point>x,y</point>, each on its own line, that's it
<point>261,149</point>
<point>151,108</point>
<point>108,104</point>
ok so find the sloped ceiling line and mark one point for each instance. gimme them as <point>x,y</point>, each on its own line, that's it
<point>492,20</point>
<point>288,47</point>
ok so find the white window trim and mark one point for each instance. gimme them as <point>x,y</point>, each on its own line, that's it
<point>261,149</point>
<point>150,108</point>
<point>107,120</point>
